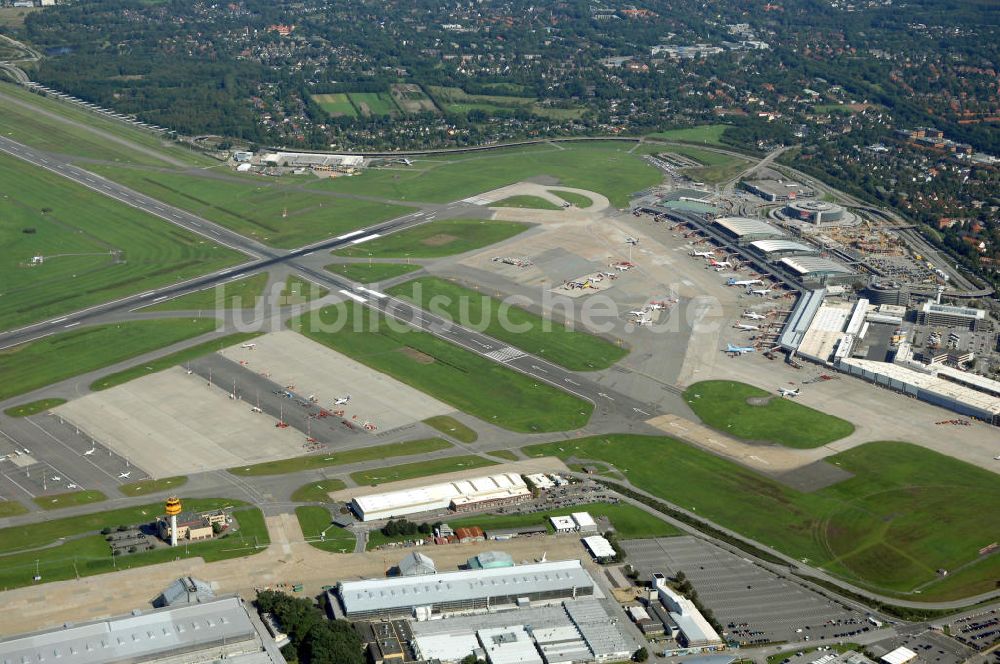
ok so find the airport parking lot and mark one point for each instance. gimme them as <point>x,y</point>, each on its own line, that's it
<point>932,647</point>
<point>753,605</point>
<point>978,631</point>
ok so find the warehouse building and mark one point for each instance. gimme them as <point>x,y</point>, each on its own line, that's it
<point>772,250</point>
<point>777,191</point>
<point>819,271</point>
<point>491,560</point>
<point>222,629</point>
<point>416,564</point>
<point>950,316</point>
<point>462,591</point>
<point>814,212</point>
<point>694,630</point>
<point>460,496</point>
<point>745,230</point>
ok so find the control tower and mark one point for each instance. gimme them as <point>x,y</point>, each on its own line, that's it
<point>173,508</point>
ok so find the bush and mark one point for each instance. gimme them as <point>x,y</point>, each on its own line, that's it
<point>105,531</point>
<point>640,655</point>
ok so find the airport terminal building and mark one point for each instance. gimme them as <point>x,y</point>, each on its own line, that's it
<point>460,495</point>
<point>745,230</point>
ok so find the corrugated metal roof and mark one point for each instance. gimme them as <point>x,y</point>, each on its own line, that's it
<point>438,496</point>
<point>769,246</point>
<point>815,265</point>
<point>746,226</point>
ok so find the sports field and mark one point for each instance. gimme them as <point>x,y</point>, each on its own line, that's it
<point>52,359</point>
<point>531,202</point>
<point>374,103</point>
<point>33,408</point>
<point>299,290</point>
<point>729,407</point>
<point>906,513</point>
<point>370,273</point>
<point>574,349</point>
<point>342,458</point>
<point>449,426</point>
<point>436,239</point>
<point>239,294</point>
<point>70,547</point>
<point>319,531</point>
<point>628,521</point>
<point>336,104</point>
<point>604,167</point>
<point>447,372</point>
<point>317,492</point>
<point>408,471</point>
<point>64,247</point>
<point>172,360</point>
<point>273,213</point>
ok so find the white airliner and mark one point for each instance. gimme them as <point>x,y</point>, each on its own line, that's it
<point>744,326</point>
<point>788,392</point>
<point>256,409</point>
<point>125,476</point>
<point>761,292</point>
<point>753,315</point>
<point>743,282</point>
<point>249,346</point>
<point>722,264</point>
<point>340,401</point>
<point>739,350</point>
<point>703,254</point>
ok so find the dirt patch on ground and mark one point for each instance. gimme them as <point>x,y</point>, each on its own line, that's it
<point>417,356</point>
<point>438,240</point>
<point>758,401</point>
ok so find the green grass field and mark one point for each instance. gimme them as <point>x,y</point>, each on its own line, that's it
<point>172,360</point>
<point>33,408</point>
<point>717,168</point>
<point>629,521</point>
<point>336,104</point>
<point>905,513</point>
<point>604,167</point>
<point>317,492</point>
<point>11,508</point>
<point>707,134</point>
<point>370,273</point>
<point>457,376</point>
<point>273,213</point>
<point>579,200</point>
<point>374,103</point>
<point>722,405</point>
<point>13,17</point>
<point>503,454</point>
<point>239,294</point>
<point>299,290</point>
<point>59,501</point>
<point>452,427</point>
<point>93,249</point>
<point>436,239</point>
<point>318,530</point>
<point>83,552</point>
<point>146,487</point>
<point>38,363</point>
<point>574,349</point>
<point>408,471</point>
<point>531,202</point>
<point>317,461</point>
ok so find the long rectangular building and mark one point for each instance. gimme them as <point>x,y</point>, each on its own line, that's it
<point>463,591</point>
<point>460,495</point>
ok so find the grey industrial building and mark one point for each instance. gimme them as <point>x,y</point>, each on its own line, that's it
<point>950,316</point>
<point>745,230</point>
<point>771,250</point>
<point>191,633</point>
<point>462,591</point>
<point>777,191</point>
<point>819,271</point>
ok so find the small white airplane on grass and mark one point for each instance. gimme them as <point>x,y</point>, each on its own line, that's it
<point>125,476</point>
<point>249,346</point>
<point>788,392</point>
<point>744,326</point>
<point>340,401</point>
<point>753,315</point>
<point>740,350</point>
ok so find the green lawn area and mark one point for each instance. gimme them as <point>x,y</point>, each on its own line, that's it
<point>532,202</point>
<point>579,200</point>
<point>503,454</point>
<point>33,408</point>
<point>13,17</point>
<point>52,359</point>
<point>604,167</point>
<point>574,349</point>
<point>370,273</point>
<point>708,134</point>
<point>436,239</point>
<point>92,248</point>
<point>459,377</point>
<point>171,360</point>
<point>336,104</point>
<point>298,290</point>
<point>408,471</point>
<point>717,167</point>
<point>31,127</point>
<point>316,492</point>
<point>905,513</point>
<point>85,553</point>
<point>452,427</point>
<point>144,487</point>
<point>274,213</point>
<point>72,499</point>
<point>239,294</point>
<point>11,508</point>
<point>314,520</point>
<point>374,103</point>
<point>722,405</point>
<point>629,521</point>
<point>317,461</point>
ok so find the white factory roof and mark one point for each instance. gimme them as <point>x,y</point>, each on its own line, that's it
<point>769,246</point>
<point>508,645</point>
<point>696,628</point>
<point>825,332</point>
<point>599,546</point>
<point>950,310</point>
<point>744,226</point>
<point>450,647</point>
<point>970,379</point>
<point>900,655</point>
<point>401,592</point>
<point>439,496</point>
<point>540,480</point>
<point>929,382</point>
<point>561,523</point>
<point>813,264</point>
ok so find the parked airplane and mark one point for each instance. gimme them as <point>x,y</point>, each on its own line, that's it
<point>732,281</point>
<point>758,291</point>
<point>340,401</point>
<point>631,240</point>
<point>72,486</point>
<point>744,326</point>
<point>788,392</point>
<point>703,254</point>
<point>753,315</point>
<point>256,409</point>
<point>249,346</point>
<point>90,451</point>
<point>125,476</point>
<point>722,264</point>
<point>739,350</point>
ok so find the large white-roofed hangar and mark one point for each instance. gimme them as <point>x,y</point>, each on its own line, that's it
<point>745,230</point>
<point>460,495</point>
